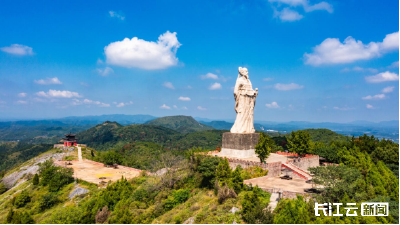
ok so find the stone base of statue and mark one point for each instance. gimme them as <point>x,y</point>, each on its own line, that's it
<point>236,145</point>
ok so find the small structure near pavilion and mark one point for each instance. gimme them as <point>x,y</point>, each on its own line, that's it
<point>70,140</point>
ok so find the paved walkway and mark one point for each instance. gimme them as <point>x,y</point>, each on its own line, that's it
<point>295,185</point>
<point>80,154</point>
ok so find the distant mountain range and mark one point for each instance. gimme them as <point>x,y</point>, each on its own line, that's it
<point>11,130</point>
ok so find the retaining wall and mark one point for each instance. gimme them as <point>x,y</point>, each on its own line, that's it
<point>286,194</point>
<point>306,162</point>
<point>274,169</point>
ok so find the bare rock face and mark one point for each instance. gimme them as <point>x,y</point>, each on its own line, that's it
<point>234,209</point>
<point>77,191</point>
<point>245,100</point>
<point>13,180</point>
<point>189,221</point>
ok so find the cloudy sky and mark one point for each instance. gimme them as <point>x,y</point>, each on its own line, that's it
<point>311,60</point>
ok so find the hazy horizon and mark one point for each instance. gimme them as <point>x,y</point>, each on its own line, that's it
<point>10,119</point>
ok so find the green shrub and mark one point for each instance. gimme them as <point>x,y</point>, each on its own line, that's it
<point>111,158</point>
<point>55,177</point>
<point>207,168</point>
<point>140,195</point>
<point>2,188</point>
<point>68,214</point>
<point>177,197</point>
<point>22,199</point>
<point>48,201</point>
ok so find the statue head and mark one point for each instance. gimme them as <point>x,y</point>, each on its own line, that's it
<point>243,71</point>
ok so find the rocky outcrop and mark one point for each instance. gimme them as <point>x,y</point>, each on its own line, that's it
<point>14,179</point>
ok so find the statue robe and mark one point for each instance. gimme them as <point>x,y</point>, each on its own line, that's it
<point>245,100</point>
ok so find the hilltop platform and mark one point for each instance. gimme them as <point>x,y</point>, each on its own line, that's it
<point>91,171</point>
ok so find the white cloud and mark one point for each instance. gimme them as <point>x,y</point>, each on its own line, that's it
<point>164,106</point>
<point>175,107</point>
<point>48,81</point>
<point>375,97</point>
<point>382,77</point>
<point>268,79</point>
<point>287,15</point>
<point>390,42</point>
<point>209,76</point>
<point>148,55</point>
<point>21,102</point>
<point>84,84</point>
<point>288,87</point>
<point>89,102</point>
<point>370,106</point>
<point>122,104</point>
<point>394,65</point>
<point>2,102</point>
<point>184,107</point>
<point>343,108</point>
<point>22,95</point>
<point>332,51</point>
<point>189,87</point>
<point>272,105</point>
<point>169,85</point>
<point>184,98</point>
<point>201,108</point>
<point>105,72</point>
<point>359,69</point>
<point>215,86</point>
<point>99,62</point>
<point>116,15</point>
<point>388,89</point>
<point>58,94</point>
<point>17,49</point>
<point>306,5</point>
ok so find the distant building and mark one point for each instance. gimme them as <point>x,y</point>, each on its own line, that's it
<point>70,140</point>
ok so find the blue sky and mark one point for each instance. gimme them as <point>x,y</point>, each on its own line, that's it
<point>329,60</point>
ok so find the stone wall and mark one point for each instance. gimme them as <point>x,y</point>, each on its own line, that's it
<point>306,162</point>
<point>286,194</point>
<point>239,141</point>
<point>274,169</point>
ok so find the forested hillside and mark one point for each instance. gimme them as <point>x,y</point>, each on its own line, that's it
<point>113,135</point>
<point>182,124</point>
<point>326,136</point>
<point>13,154</point>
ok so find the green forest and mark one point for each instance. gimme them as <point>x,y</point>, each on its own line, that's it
<point>195,187</point>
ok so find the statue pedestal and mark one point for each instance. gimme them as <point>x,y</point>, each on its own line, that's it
<point>239,145</point>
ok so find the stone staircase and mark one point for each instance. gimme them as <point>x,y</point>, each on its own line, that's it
<point>297,171</point>
<point>273,202</point>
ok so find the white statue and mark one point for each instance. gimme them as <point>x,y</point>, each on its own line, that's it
<point>245,99</point>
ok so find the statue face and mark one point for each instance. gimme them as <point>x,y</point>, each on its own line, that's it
<point>243,71</point>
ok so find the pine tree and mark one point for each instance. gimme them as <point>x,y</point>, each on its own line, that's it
<point>224,172</point>
<point>264,146</point>
<point>237,179</point>
<point>35,180</point>
<point>10,216</point>
<point>300,142</point>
